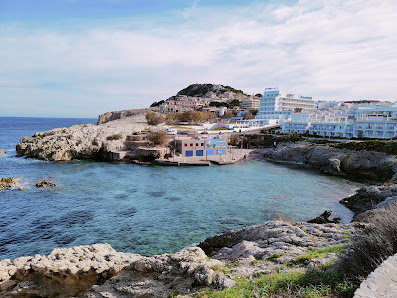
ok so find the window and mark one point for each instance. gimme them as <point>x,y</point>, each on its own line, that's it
<point>191,145</point>
<point>185,145</point>
<point>202,144</point>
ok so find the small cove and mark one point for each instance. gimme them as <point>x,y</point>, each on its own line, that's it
<point>147,209</point>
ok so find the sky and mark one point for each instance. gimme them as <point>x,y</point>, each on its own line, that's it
<point>81,58</point>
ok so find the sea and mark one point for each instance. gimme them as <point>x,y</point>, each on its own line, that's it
<point>147,209</point>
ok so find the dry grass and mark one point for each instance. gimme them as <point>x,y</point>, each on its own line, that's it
<point>368,250</point>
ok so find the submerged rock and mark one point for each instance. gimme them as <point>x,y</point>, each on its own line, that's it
<point>45,183</point>
<point>8,182</point>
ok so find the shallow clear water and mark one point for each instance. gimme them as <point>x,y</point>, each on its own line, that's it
<point>147,209</point>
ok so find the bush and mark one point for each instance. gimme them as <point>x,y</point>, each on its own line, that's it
<point>368,250</point>
<point>114,137</point>
<point>159,137</point>
<point>154,118</point>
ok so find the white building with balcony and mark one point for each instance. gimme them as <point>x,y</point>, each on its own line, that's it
<point>369,120</point>
<point>277,105</point>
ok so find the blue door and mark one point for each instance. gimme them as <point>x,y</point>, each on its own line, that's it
<point>200,152</point>
<point>210,152</point>
<point>189,153</point>
<point>220,151</point>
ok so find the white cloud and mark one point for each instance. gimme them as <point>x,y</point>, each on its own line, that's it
<point>329,49</point>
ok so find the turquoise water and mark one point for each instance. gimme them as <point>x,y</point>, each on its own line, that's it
<point>149,209</point>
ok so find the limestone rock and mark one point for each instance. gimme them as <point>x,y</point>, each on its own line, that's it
<point>2,152</point>
<point>8,182</point>
<point>85,141</point>
<point>367,198</point>
<point>115,115</point>
<point>372,165</point>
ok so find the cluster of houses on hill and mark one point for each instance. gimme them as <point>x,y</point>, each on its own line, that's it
<point>295,113</point>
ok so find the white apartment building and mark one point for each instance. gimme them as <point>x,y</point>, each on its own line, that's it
<point>277,105</point>
<point>370,120</point>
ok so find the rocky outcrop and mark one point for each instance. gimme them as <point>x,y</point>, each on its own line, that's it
<point>285,239</point>
<point>84,141</point>
<point>8,182</point>
<point>353,164</point>
<point>45,183</point>
<point>2,152</point>
<point>99,271</point>
<point>115,115</point>
<point>368,198</point>
<point>380,283</point>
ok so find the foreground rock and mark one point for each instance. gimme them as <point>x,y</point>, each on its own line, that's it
<point>371,197</point>
<point>84,141</point>
<point>2,152</point>
<point>99,271</point>
<point>353,164</point>
<point>8,182</point>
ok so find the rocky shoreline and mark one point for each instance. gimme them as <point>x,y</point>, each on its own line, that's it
<point>99,271</point>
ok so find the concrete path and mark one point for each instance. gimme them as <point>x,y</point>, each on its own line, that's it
<point>380,283</point>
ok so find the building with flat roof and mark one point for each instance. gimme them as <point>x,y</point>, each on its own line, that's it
<point>280,105</point>
<point>201,146</point>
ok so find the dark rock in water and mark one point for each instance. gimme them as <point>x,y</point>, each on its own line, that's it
<point>324,218</point>
<point>44,184</point>
<point>371,197</point>
<point>2,152</point>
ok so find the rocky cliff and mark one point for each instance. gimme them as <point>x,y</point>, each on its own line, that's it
<point>369,165</point>
<point>85,141</point>
<point>99,271</point>
<point>115,115</point>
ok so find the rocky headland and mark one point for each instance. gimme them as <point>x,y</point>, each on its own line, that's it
<point>85,141</point>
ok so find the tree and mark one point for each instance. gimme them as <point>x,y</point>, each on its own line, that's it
<point>154,118</point>
<point>171,119</point>
<point>234,103</point>
<point>248,115</point>
<point>208,116</point>
<point>258,95</point>
<point>157,103</point>
<point>190,116</point>
<point>158,137</point>
<point>227,115</point>
<point>254,112</point>
<point>218,104</point>
<point>298,110</point>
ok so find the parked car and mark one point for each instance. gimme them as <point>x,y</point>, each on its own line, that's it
<point>184,133</point>
<point>204,133</point>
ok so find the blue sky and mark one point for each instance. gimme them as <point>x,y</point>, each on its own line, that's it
<point>80,58</point>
